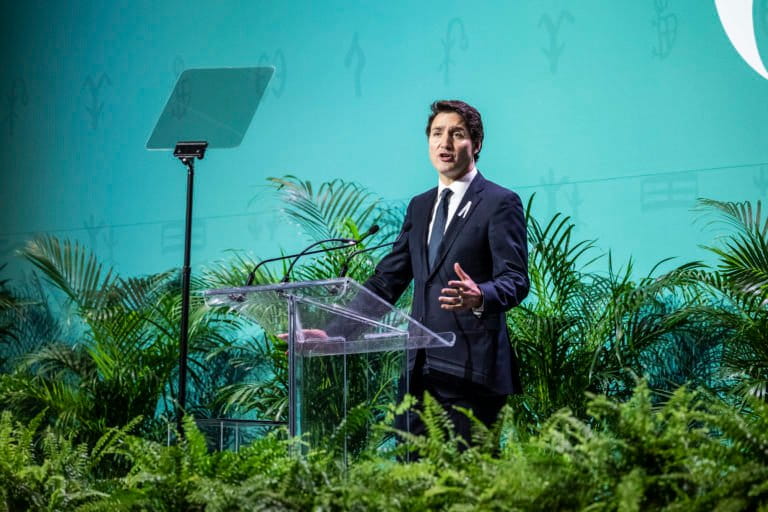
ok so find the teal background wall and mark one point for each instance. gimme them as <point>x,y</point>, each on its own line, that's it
<point>617,113</point>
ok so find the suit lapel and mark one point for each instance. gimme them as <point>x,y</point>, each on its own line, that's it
<point>464,212</point>
<point>425,212</point>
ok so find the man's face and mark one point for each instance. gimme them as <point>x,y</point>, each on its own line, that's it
<point>450,147</point>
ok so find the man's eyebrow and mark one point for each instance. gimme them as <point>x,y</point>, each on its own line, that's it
<point>452,128</point>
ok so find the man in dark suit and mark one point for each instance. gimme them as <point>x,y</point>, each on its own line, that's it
<point>464,246</point>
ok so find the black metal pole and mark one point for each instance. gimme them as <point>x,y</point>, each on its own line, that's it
<point>185,276</point>
<point>186,152</point>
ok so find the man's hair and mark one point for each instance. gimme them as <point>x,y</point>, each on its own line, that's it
<point>467,112</point>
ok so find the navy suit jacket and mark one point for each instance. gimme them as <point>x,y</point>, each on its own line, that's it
<point>489,241</point>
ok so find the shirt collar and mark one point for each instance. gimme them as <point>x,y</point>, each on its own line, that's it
<point>459,186</point>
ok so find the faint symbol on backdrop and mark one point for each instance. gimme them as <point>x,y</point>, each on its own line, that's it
<point>182,94</point>
<point>262,225</point>
<point>172,236</point>
<point>761,180</point>
<point>277,84</point>
<point>676,191</point>
<point>575,200</point>
<point>666,29</point>
<point>262,222</point>
<point>737,21</point>
<point>17,96</point>
<point>94,105</point>
<point>101,238</point>
<point>555,49</point>
<point>453,33</point>
<point>356,57</point>
<point>551,186</point>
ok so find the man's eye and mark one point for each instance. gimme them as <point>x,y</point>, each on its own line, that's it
<point>458,135</point>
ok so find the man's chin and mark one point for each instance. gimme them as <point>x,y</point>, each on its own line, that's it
<point>452,173</point>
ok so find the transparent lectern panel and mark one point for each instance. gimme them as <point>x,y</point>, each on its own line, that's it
<point>336,316</point>
<point>340,397</point>
<point>212,105</point>
<point>347,355</point>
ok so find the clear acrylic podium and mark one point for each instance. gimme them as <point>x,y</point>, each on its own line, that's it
<point>347,349</point>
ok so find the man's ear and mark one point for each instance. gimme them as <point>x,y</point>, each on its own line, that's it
<point>477,150</point>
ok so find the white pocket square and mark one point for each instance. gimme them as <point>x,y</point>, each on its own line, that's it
<point>463,212</point>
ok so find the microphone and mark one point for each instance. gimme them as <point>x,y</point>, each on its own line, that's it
<point>345,265</point>
<point>346,241</point>
<point>349,243</point>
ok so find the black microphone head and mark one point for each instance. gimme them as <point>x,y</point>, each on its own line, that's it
<point>374,229</point>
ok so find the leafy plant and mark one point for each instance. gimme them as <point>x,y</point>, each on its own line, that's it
<point>335,209</point>
<point>581,330</point>
<point>123,360</point>
<point>738,294</point>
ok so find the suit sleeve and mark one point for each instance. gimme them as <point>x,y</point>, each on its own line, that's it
<point>394,273</point>
<point>507,236</point>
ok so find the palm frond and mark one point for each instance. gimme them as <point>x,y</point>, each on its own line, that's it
<point>743,254</point>
<point>72,269</point>
<point>324,213</point>
<point>741,216</point>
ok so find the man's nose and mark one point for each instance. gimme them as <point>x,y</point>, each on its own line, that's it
<point>446,141</point>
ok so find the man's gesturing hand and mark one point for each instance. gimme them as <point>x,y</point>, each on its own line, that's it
<point>462,294</point>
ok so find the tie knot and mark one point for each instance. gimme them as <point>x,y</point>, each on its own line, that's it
<point>445,194</point>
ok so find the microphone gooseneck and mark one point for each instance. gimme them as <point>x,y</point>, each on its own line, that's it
<point>304,252</point>
<point>345,265</point>
<point>344,243</point>
<point>348,241</point>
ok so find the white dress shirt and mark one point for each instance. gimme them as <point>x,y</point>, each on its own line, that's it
<point>459,188</point>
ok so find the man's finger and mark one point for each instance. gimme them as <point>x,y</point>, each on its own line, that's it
<point>461,285</point>
<point>460,272</point>
<point>449,291</point>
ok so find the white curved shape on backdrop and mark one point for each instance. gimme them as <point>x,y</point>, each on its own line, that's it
<point>737,20</point>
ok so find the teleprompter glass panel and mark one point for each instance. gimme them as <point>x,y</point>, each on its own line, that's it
<point>213,105</point>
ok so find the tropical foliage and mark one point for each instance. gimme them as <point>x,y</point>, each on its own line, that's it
<point>122,352</point>
<point>694,453</point>
<point>335,209</point>
<point>583,330</point>
<point>642,393</point>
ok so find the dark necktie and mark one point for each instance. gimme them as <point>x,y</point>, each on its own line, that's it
<point>438,227</point>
